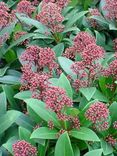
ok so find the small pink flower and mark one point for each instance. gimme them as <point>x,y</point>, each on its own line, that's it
<point>60,3</point>
<point>115,125</point>
<point>23,148</point>
<point>97,112</point>
<point>20,34</point>
<point>92,52</point>
<point>5,17</point>
<point>93,22</point>
<point>50,16</point>
<point>56,99</point>
<point>50,125</point>
<point>111,140</point>
<point>3,38</point>
<point>111,8</point>
<point>112,69</point>
<point>25,7</point>
<point>82,40</point>
<point>102,126</point>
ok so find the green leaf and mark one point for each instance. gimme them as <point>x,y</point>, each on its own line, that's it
<point>24,134</point>
<point>100,96</point>
<point>31,22</point>
<point>84,134</point>
<point>112,26</point>
<point>53,81</point>
<point>88,92</point>
<point>97,152</point>
<point>100,38</point>
<point>44,133</point>
<point>8,79</point>
<point>8,29</point>
<point>25,121</point>
<point>23,95</point>
<point>3,70</point>
<point>9,143</point>
<point>40,109</point>
<point>76,150</point>
<point>66,63</point>
<point>107,148</point>
<point>71,29</point>
<point>21,39</point>
<point>64,83</point>
<point>101,21</point>
<point>43,36</point>
<point>63,146</point>
<point>3,103</point>
<point>59,48</point>
<point>8,119</point>
<point>10,94</point>
<point>75,18</point>
<point>113,111</point>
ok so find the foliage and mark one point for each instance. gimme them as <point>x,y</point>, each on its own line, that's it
<point>58,78</point>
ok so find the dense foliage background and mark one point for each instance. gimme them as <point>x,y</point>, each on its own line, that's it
<point>58,78</point>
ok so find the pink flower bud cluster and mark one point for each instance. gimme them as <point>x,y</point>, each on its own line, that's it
<point>5,16</point>
<point>115,124</point>
<point>80,42</point>
<point>50,124</point>
<point>60,3</point>
<point>23,148</point>
<point>31,54</point>
<point>88,69</point>
<point>25,7</point>
<point>56,99</point>
<point>50,16</point>
<point>20,34</point>
<point>112,69</point>
<point>26,76</point>
<point>111,8</point>
<point>35,2</point>
<point>40,57</point>
<point>97,112</point>
<point>93,22</point>
<point>101,126</point>
<point>3,38</point>
<point>111,140</point>
<point>92,52</point>
<point>115,44</point>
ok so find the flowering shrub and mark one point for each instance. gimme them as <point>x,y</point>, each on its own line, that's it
<point>58,76</point>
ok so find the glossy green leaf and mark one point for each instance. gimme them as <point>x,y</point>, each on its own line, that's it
<point>84,134</point>
<point>44,133</point>
<point>88,92</point>
<point>113,111</point>
<point>65,64</point>
<point>21,39</point>
<point>97,152</point>
<point>40,109</point>
<point>63,146</point>
<point>23,95</point>
<point>3,103</point>
<point>107,148</point>
<point>59,48</point>
<point>100,96</point>
<point>10,94</point>
<point>64,83</point>
<point>8,79</point>
<point>75,18</point>
<point>8,119</point>
<point>24,134</point>
<point>3,70</point>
